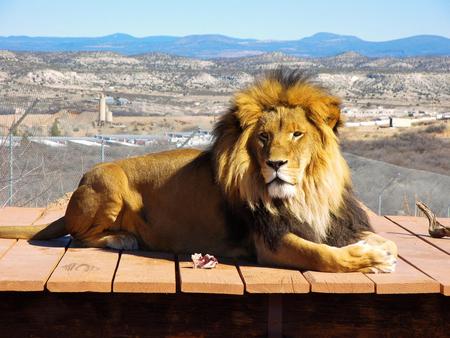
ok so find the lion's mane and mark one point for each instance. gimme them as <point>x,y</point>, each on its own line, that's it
<point>324,209</point>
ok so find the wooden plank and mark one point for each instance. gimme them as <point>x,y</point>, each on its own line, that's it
<point>27,265</point>
<point>444,221</point>
<point>19,216</point>
<point>349,282</point>
<point>418,253</point>
<point>146,272</point>
<point>50,215</point>
<point>260,279</point>
<point>419,227</point>
<point>406,279</point>
<point>223,279</point>
<point>5,245</point>
<point>84,269</point>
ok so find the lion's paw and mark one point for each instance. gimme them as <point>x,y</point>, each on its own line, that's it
<point>121,242</point>
<point>365,257</point>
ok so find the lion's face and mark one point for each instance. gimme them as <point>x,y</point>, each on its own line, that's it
<point>279,141</point>
<point>282,144</point>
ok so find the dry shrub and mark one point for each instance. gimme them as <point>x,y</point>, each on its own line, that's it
<point>436,128</point>
<point>411,150</point>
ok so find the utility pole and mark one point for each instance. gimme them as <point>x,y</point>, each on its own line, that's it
<point>194,132</point>
<point>11,174</point>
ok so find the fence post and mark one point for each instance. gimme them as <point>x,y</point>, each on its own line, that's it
<point>379,204</point>
<point>102,148</point>
<point>11,177</point>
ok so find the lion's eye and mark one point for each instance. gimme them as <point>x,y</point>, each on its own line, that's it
<point>297,134</point>
<point>263,137</point>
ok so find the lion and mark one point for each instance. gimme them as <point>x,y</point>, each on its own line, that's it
<point>272,187</point>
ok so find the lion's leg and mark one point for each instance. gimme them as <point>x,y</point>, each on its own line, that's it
<point>105,231</point>
<point>296,252</point>
<point>93,211</point>
<point>119,240</point>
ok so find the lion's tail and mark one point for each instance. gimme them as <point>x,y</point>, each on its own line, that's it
<point>39,232</point>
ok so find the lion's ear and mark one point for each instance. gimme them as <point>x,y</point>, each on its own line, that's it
<point>328,110</point>
<point>333,114</point>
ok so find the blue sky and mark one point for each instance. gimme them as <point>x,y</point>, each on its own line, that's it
<point>374,20</point>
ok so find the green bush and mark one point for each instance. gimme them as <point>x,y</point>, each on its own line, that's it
<point>54,130</point>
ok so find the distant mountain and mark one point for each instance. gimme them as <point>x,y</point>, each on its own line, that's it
<point>217,46</point>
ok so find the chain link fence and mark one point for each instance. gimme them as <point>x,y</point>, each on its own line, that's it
<point>37,169</point>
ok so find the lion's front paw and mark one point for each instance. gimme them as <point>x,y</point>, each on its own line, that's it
<point>379,241</point>
<point>365,257</point>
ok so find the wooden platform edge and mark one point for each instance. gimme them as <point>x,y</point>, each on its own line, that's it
<point>157,273</point>
<point>346,282</point>
<point>223,279</point>
<point>262,279</point>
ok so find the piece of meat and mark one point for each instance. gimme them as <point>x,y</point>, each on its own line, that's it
<point>204,262</point>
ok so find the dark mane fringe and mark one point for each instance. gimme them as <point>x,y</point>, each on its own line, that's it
<point>288,77</point>
<point>271,228</point>
<point>347,227</point>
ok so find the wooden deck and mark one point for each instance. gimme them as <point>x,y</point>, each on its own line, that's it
<point>56,266</point>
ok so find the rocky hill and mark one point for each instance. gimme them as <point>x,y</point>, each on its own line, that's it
<point>73,80</point>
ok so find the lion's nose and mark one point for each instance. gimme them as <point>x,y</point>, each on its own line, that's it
<point>276,164</point>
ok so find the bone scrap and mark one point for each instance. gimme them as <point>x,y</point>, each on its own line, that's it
<point>204,261</point>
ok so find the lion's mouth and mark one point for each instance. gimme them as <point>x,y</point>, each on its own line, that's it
<point>280,188</point>
<point>280,181</point>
